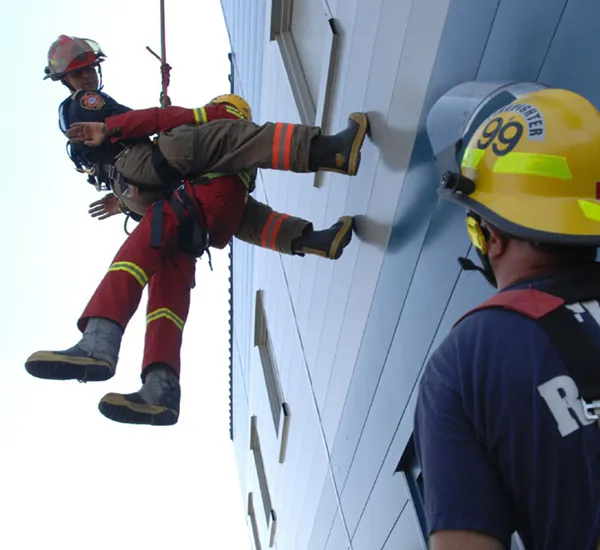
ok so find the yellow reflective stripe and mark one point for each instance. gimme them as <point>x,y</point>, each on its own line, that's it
<point>245,177</point>
<point>591,210</point>
<point>213,175</point>
<point>200,116</point>
<point>235,112</point>
<point>135,270</point>
<point>472,158</point>
<point>533,164</point>
<point>166,313</point>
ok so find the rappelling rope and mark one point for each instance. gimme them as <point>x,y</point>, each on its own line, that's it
<point>165,73</point>
<point>165,68</point>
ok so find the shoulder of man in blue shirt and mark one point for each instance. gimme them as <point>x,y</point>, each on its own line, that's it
<point>477,391</point>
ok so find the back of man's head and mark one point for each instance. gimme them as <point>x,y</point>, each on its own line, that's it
<point>530,180</point>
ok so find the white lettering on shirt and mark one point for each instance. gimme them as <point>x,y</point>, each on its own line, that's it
<point>562,397</point>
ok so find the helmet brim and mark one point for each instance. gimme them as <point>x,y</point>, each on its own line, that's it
<point>553,220</point>
<point>60,76</point>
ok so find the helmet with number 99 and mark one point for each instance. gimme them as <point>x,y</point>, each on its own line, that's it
<point>532,170</point>
<point>69,53</point>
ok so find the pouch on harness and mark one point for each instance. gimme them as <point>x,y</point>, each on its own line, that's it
<point>579,351</point>
<point>193,235</point>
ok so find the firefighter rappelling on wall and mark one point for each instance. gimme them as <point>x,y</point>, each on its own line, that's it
<point>190,190</point>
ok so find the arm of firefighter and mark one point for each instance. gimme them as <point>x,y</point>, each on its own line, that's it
<point>145,122</point>
<point>463,540</point>
<point>465,504</point>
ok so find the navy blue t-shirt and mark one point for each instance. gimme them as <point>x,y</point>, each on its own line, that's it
<point>89,106</point>
<point>501,436</point>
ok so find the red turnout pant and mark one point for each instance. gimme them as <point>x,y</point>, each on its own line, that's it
<point>168,271</point>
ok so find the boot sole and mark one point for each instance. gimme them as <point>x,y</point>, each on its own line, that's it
<point>363,127</point>
<point>115,407</point>
<point>342,239</point>
<point>54,366</point>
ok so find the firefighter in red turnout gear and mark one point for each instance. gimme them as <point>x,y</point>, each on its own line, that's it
<point>161,253</point>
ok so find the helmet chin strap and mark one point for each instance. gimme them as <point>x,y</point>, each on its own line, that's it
<point>479,237</point>
<point>100,83</point>
<point>486,270</point>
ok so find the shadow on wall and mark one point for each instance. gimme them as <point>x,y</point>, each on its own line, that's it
<point>419,192</point>
<point>389,141</point>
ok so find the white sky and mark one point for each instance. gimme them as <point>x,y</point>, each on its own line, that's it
<point>70,478</point>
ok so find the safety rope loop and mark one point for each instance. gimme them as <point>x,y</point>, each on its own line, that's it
<point>165,70</point>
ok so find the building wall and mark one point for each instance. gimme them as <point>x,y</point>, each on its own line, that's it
<point>351,337</point>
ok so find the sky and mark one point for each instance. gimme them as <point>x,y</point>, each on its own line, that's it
<point>70,478</point>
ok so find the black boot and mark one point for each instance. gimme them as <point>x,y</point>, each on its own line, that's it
<point>156,403</point>
<point>92,359</point>
<point>327,243</point>
<point>340,152</point>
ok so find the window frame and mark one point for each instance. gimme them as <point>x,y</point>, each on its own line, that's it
<point>262,340</point>
<point>261,472</point>
<point>317,112</point>
<point>279,407</point>
<point>253,523</point>
<point>410,470</point>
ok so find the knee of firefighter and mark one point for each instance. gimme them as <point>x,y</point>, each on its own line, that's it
<point>138,202</point>
<point>177,146</point>
<point>135,164</point>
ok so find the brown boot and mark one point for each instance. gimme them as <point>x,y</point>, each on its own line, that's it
<point>340,152</point>
<point>327,243</point>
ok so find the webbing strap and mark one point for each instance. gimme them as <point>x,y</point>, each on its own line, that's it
<point>575,288</point>
<point>156,227</point>
<point>577,348</point>
<point>194,238</point>
<point>165,171</point>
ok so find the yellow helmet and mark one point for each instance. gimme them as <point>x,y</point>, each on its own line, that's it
<point>532,169</point>
<point>237,101</point>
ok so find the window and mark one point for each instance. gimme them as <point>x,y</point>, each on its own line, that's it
<point>263,341</point>
<point>308,42</point>
<point>260,469</point>
<point>270,515</point>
